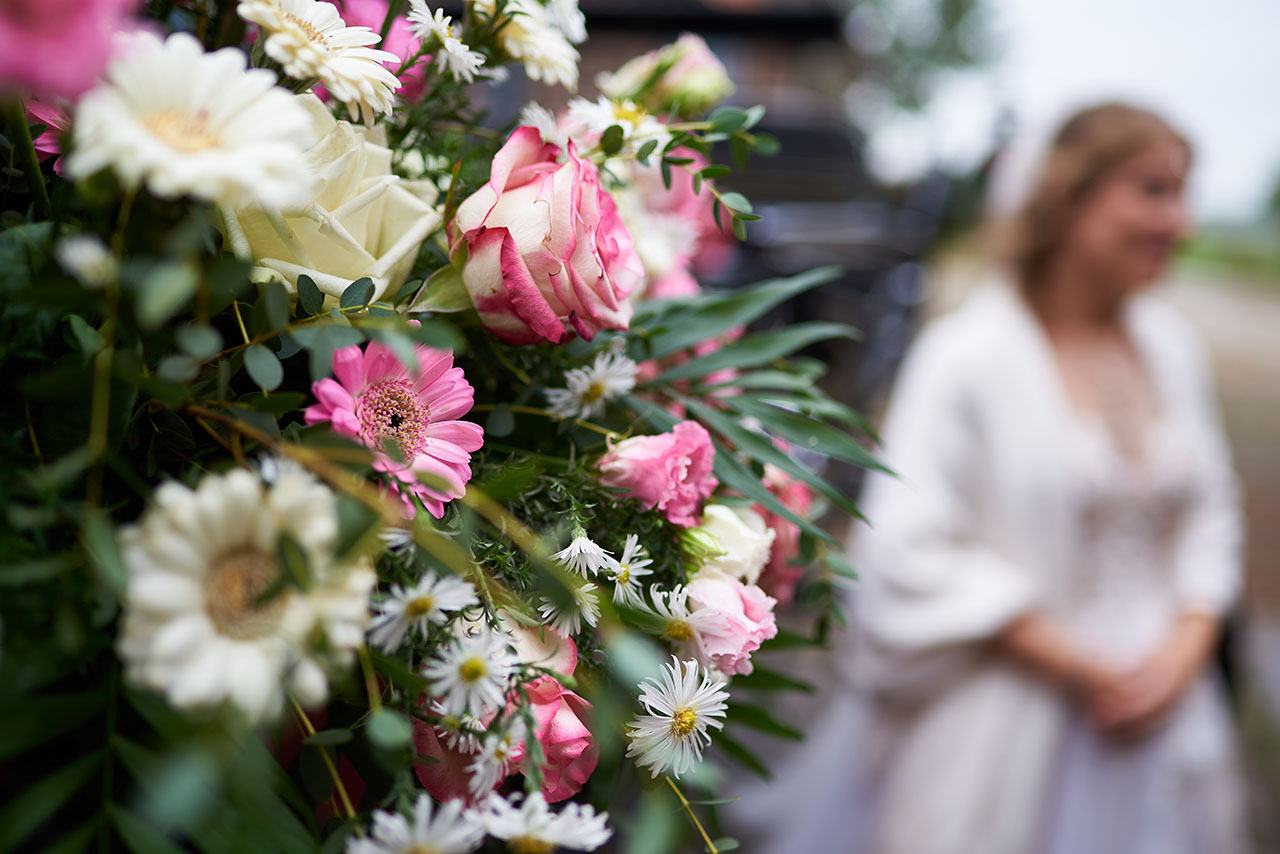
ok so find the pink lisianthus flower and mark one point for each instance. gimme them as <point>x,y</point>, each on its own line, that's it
<point>546,252</point>
<point>780,577</point>
<point>57,48</point>
<point>569,749</point>
<point>669,471</point>
<point>57,121</point>
<point>748,620</point>
<point>375,399</point>
<point>399,40</point>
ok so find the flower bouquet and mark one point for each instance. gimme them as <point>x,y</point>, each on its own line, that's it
<point>376,479</point>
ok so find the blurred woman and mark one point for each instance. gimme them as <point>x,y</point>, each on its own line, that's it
<point>1043,583</point>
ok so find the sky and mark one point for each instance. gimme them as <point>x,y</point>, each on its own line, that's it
<point>1211,66</point>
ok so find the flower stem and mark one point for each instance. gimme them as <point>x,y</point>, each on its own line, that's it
<point>370,679</point>
<point>328,763</point>
<point>393,10</point>
<point>16,115</point>
<point>688,807</point>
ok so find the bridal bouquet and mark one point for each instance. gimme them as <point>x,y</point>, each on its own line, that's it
<point>376,479</point>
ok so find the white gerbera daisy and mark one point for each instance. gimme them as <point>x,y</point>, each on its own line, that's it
<point>583,555</point>
<point>453,829</point>
<point>87,259</point>
<point>532,826</point>
<point>473,672</point>
<point>529,36</point>
<point>628,571</point>
<point>417,607</point>
<point>681,706</point>
<point>209,614</point>
<point>568,620</point>
<point>311,42</point>
<point>188,123</point>
<point>638,127</point>
<point>590,388</point>
<point>461,732</point>
<point>493,763</point>
<point>568,19</point>
<point>458,59</point>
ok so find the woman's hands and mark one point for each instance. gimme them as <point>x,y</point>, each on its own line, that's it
<point>1135,702</point>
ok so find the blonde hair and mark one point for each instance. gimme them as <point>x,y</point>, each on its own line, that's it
<point>1088,146</point>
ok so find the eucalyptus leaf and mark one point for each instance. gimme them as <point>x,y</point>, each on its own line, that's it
<point>389,729</point>
<point>263,367</point>
<point>358,294</point>
<point>198,342</point>
<point>310,297</point>
<point>164,291</point>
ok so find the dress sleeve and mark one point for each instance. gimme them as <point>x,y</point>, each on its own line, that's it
<point>1207,562</point>
<point>930,579</point>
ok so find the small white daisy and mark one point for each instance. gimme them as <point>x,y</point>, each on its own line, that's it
<point>458,59</point>
<point>588,118</point>
<point>680,707</point>
<point>473,672</point>
<point>537,116</point>
<point>461,732</point>
<point>428,601</point>
<point>493,763</point>
<point>583,555</point>
<point>532,826</point>
<point>311,42</point>
<point>529,35</point>
<point>184,122</point>
<point>628,571</point>
<point>568,620</point>
<point>453,829</point>
<point>590,388</point>
<point>683,627</point>
<point>87,259</point>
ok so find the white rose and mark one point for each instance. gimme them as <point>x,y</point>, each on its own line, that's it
<point>362,220</point>
<point>744,538</point>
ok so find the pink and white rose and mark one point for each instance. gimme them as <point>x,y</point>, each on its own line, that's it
<point>547,253</point>
<point>569,749</point>
<point>670,471</point>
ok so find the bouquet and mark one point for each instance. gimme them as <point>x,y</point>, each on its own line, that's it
<point>376,479</point>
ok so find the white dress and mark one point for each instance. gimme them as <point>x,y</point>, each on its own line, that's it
<point>1009,502</point>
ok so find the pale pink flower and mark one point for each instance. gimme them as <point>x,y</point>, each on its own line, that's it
<point>748,620</point>
<point>375,399</point>
<point>547,252</point>
<point>669,471</point>
<point>57,48</point>
<point>780,577</point>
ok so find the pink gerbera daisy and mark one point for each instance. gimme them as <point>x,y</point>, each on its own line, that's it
<point>375,399</point>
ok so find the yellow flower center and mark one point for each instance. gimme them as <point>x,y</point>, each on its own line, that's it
<point>594,392</point>
<point>233,591</point>
<point>182,131</point>
<point>624,575</point>
<point>629,112</point>
<point>419,607</point>
<point>473,669</point>
<point>683,722</point>
<point>529,845</point>
<point>679,630</point>
<point>308,28</point>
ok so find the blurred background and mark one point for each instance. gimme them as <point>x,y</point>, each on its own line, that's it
<point>902,120</point>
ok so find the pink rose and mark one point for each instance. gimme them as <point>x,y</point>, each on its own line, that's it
<point>780,577</point>
<point>568,747</point>
<point>669,471</point>
<point>547,252</point>
<point>57,48</point>
<point>748,620</point>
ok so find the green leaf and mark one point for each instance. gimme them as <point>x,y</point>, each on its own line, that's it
<point>395,670</point>
<point>765,680</point>
<point>37,802</point>
<point>176,368</point>
<point>357,294</point>
<point>329,738</point>
<point>645,151</point>
<point>27,722</point>
<point>680,324</point>
<point>271,311</point>
<point>139,836</point>
<point>263,367</point>
<point>104,551</point>
<point>739,229</point>
<point>808,433</point>
<point>710,173</point>
<point>443,292</point>
<point>88,339</point>
<point>198,342</point>
<point>739,150</point>
<point>767,145</point>
<point>389,729</point>
<point>728,119</point>
<point>754,115</point>
<point>611,140</point>
<point>310,298</point>
<point>727,843</point>
<point>761,448</point>
<point>737,202</point>
<point>758,348</point>
<point>164,291</point>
